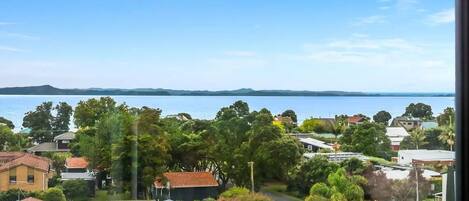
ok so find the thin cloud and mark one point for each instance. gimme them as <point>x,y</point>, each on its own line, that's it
<point>374,19</point>
<point>10,49</point>
<point>442,17</point>
<point>6,23</point>
<point>18,36</point>
<point>240,53</point>
<point>406,4</point>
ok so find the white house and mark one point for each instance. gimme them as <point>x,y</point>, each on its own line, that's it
<point>313,145</point>
<point>423,156</point>
<point>396,135</point>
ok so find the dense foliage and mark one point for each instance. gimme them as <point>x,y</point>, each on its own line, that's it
<point>367,138</point>
<point>382,117</point>
<point>419,110</point>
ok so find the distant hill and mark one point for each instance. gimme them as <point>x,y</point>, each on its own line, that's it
<point>50,90</point>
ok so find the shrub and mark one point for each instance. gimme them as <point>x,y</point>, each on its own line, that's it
<point>76,189</point>
<point>235,192</point>
<point>54,194</point>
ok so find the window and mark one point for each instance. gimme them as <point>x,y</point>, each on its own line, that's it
<point>13,175</point>
<point>30,175</point>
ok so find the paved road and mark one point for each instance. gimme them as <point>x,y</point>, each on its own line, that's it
<point>279,197</point>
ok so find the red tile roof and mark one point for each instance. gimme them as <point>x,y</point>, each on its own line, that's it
<point>30,160</point>
<point>355,119</point>
<point>76,162</point>
<point>188,180</point>
<point>31,199</point>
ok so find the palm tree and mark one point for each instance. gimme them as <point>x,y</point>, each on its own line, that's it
<point>417,138</point>
<point>338,127</point>
<point>448,135</point>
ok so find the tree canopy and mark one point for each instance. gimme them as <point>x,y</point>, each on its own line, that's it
<point>419,110</point>
<point>367,138</point>
<point>382,117</point>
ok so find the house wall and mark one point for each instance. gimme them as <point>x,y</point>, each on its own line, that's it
<point>62,145</point>
<point>189,194</point>
<point>40,180</point>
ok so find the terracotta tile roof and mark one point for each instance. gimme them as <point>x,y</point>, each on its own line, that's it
<point>31,199</point>
<point>355,119</point>
<point>76,162</point>
<point>27,159</point>
<point>188,180</point>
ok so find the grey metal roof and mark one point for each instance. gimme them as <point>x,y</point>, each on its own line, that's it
<point>65,136</point>
<point>46,147</point>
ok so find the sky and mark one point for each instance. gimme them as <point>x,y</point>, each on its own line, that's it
<point>366,45</point>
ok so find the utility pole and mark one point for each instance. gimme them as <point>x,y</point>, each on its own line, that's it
<point>416,183</point>
<point>251,163</point>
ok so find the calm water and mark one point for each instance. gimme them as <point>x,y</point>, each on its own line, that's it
<point>13,107</point>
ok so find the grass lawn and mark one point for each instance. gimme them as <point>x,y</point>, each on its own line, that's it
<point>102,195</point>
<point>280,190</point>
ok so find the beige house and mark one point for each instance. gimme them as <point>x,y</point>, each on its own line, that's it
<point>24,171</point>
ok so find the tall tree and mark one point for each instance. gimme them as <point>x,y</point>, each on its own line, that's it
<point>88,112</point>
<point>367,138</point>
<point>419,110</point>
<point>40,122</point>
<point>448,136</point>
<point>7,122</point>
<point>61,121</point>
<point>447,117</point>
<point>382,117</point>
<point>45,126</point>
<point>417,139</point>
<point>291,114</point>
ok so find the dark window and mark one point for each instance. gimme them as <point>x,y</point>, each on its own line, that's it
<point>30,175</point>
<point>13,175</point>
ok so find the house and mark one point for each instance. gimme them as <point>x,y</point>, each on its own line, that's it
<point>77,168</point>
<point>396,135</point>
<point>28,172</point>
<point>355,120</point>
<point>186,186</point>
<point>313,145</point>
<point>337,157</point>
<point>409,123</point>
<point>60,144</point>
<point>425,157</point>
<point>400,172</point>
<point>429,125</point>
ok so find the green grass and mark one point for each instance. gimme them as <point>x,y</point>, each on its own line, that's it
<point>380,161</point>
<point>103,195</point>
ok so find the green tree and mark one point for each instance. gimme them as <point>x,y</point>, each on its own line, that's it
<point>416,139</point>
<point>44,126</point>
<point>58,161</point>
<point>315,125</point>
<point>448,136</point>
<point>61,121</point>
<point>40,123</point>
<point>419,110</point>
<point>76,190</point>
<point>54,194</point>
<point>7,122</point>
<point>353,166</point>
<point>382,117</point>
<point>88,112</point>
<point>447,117</point>
<point>340,186</point>
<point>310,172</point>
<point>367,138</point>
<point>10,141</point>
<point>291,114</point>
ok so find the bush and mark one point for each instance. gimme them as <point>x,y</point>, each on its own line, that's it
<point>76,190</point>
<point>12,195</point>
<point>235,192</point>
<point>54,194</point>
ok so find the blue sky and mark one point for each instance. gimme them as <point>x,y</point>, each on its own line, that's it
<point>366,45</point>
